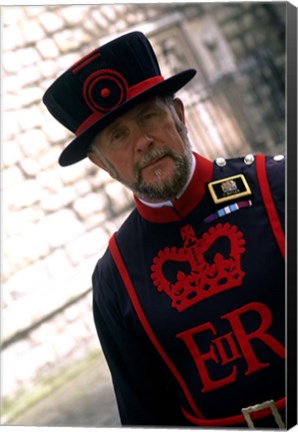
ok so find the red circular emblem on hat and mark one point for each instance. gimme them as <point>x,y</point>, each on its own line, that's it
<point>105,93</point>
<point>104,90</point>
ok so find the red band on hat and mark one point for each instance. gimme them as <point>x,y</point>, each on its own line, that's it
<point>131,93</point>
<point>144,85</point>
<point>85,61</point>
<point>89,122</point>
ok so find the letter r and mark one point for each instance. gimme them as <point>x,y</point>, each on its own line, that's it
<point>244,339</point>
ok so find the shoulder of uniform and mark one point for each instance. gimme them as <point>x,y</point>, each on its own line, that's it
<point>248,159</point>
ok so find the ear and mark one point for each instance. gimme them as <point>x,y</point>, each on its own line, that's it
<point>179,107</point>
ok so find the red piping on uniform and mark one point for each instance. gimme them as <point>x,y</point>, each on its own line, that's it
<point>138,308</point>
<point>269,203</point>
<point>234,420</point>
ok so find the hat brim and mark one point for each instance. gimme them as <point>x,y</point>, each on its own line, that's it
<point>77,149</point>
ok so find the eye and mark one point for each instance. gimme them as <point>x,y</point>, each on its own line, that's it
<point>149,117</point>
<point>118,135</point>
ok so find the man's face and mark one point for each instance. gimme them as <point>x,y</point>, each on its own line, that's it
<point>145,149</point>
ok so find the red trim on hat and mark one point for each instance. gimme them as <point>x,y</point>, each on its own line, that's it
<point>143,86</point>
<point>269,203</point>
<point>89,122</point>
<point>85,60</point>
<point>131,93</point>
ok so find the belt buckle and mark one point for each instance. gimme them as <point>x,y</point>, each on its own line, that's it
<point>258,407</point>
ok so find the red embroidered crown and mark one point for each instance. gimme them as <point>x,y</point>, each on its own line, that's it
<point>205,279</point>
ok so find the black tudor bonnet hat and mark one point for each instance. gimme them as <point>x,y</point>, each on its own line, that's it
<point>105,84</point>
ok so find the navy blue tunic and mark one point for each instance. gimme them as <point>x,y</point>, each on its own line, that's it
<point>189,300</point>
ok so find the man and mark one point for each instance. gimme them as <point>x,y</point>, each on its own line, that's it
<point>189,297</point>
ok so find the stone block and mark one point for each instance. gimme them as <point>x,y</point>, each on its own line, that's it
<point>7,298</point>
<point>28,56</point>
<point>48,69</point>
<point>75,14</point>
<point>62,345</point>
<point>68,58</point>
<point>51,22</point>
<point>60,228</point>
<point>35,359</point>
<point>43,333</point>
<point>11,63</point>
<point>31,276</point>
<point>71,174</point>
<point>30,95</point>
<point>11,153</point>
<point>11,359</point>
<point>54,131</point>
<point>31,30</point>
<point>48,48</point>
<point>11,177</point>
<point>100,19</point>
<point>43,298</point>
<point>90,204</point>
<point>28,75</point>
<point>12,15</point>
<point>73,313</point>
<point>118,196</point>
<point>97,177</point>
<point>12,38</point>
<point>95,220</point>
<point>10,127</point>
<point>48,160</point>
<point>30,167</point>
<point>62,198</point>
<point>17,316</point>
<point>70,40</point>
<point>33,142</point>
<point>17,222</point>
<point>50,180</point>
<point>23,194</point>
<point>30,118</point>
<point>35,11</point>
<point>78,332</point>
<point>10,102</point>
<point>87,245</point>
<point>83,187</point>
<point>58,263</point>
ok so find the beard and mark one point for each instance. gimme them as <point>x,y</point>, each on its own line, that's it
<point>162,190</point>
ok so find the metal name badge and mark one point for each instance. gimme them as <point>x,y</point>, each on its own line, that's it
<point>230,188</point>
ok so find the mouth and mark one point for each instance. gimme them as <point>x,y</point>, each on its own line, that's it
<point>154,161</point>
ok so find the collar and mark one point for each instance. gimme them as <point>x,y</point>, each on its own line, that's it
<point>173,211</point>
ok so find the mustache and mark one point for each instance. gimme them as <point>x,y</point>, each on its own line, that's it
<point>153,155</point>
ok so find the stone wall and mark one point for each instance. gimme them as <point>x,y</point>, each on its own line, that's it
<point>56,221</point>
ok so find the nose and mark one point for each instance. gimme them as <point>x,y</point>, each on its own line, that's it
<point>142,139</point>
